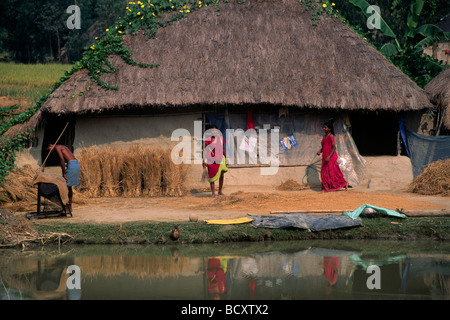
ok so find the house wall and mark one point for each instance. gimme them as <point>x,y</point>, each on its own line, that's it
<point>381,172</point>
<point>131,130</point>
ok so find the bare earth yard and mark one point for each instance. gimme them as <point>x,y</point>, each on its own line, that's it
<point>239,201</point>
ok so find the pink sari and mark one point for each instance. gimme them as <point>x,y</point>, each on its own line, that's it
<point>331,175</point>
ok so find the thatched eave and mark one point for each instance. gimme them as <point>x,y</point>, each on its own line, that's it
<point>438,90</point>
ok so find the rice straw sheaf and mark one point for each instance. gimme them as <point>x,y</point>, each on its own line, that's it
<point>173,175</point>
<point>133,172</point>
<point>91,172</point>
<point>151,172</point>
<point>435,179</point>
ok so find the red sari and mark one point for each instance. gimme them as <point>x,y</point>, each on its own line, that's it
<point>330,174</point>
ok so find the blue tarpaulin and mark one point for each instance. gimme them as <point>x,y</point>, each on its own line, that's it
<point>305,221</point>
<point>423,150</point>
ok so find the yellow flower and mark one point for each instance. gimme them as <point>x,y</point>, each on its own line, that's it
<point>107,30</point>
<point>139,13</point>
<point>119,31</point>
<point>333,4</point>
<point>324,5</point>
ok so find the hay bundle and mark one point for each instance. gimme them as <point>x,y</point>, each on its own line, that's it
<point>91,172</point>
<point>173,175</point>
<point>435,179</point>
<point>110,163</point>
<point>151,172</point>
<point>131,172</point>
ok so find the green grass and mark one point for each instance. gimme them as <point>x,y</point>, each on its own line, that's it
<point>436,229</point>
<point>29,82</point>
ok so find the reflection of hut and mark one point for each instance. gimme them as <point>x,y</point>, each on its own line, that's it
<point>439,91</point>
<point>263,56</point>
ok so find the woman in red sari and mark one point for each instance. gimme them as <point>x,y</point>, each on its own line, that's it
<point>330,173</point>
<point>215,160</point>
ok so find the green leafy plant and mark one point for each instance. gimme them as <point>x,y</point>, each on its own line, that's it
<point>407,52</point>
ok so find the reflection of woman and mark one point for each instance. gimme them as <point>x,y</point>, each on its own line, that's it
<point>330,269</point>
<point>215,160</point>
<point>217,269</point>
<point>330,173</point>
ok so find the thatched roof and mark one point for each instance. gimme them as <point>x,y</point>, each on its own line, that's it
<point>439,91</point>
<point>259,52</point>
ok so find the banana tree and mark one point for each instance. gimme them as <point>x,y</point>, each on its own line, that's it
<point>406,52</point>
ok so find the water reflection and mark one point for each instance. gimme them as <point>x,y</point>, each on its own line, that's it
<point>270,271</point>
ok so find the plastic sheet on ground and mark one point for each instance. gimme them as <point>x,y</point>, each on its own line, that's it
<point>305,221</point>
<point>229,221</point>
<point>356,213</point>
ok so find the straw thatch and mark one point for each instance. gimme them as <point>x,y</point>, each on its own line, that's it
<point>439,91</point>
<point>258,52</point>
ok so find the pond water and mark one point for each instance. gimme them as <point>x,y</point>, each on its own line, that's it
<point>240,271</point>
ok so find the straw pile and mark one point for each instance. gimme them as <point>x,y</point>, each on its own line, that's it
<point>291,185</point>
<point>133,172</point>
<point>435,179</point>
<point>19,186</point>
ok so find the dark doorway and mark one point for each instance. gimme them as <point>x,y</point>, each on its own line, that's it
<point>375,133</point>
<point>57,127</point>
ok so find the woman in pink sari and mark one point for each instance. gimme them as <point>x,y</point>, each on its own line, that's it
<point>215,160</point>
<point>330,173</point>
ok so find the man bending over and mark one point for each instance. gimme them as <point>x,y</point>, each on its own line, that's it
<point>72,172</point>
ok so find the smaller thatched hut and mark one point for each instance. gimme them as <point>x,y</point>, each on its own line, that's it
<point>439,91</point>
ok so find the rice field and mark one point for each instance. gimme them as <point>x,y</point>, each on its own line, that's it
<point>25,84</point>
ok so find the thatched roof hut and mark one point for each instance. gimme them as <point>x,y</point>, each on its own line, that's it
<point>258,52</point>
<point>439,91</point>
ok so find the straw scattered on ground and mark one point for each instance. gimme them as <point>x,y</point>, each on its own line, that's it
<point>291,185</point>
<point>434,180</point>
<point>17,230</point>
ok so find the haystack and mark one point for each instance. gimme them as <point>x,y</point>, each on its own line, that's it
<point>435,179</point>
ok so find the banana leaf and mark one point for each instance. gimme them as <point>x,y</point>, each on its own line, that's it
<point>413,17</point>
<point>384,27</point>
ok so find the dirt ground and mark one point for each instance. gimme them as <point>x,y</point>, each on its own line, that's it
<point>238,201</point>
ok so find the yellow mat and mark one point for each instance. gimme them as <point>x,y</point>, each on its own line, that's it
<point>229,221</point>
